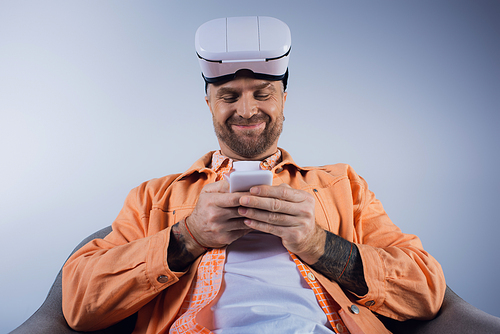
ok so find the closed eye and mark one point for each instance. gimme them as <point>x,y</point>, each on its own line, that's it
<point>229,98</point>
<point>261,96</point>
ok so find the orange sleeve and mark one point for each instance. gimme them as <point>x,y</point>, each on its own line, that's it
<point>404,281</point>
<point>110,279</point>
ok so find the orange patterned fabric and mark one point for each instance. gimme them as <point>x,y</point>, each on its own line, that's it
<point>223,165</point>
<point>207,282</point>
<point>324,299</point>
<point>204,289</point>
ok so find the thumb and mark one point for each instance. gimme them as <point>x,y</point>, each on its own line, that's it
<point>221,186</point>
<point>224,185</point>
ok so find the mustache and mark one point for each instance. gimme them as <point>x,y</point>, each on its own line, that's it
<point>257,118</point>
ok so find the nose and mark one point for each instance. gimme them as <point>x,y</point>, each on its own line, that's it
<point>247,106</point>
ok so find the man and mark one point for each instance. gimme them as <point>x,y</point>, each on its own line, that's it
<point>312,253</point>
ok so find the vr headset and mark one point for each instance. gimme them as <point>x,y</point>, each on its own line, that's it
<point>257,43</point>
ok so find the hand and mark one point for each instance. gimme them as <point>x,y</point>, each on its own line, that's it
<point>287,213</point>
<point>215,221</point>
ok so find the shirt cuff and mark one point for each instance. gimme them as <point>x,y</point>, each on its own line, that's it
<point>157,271</point>
<point>374,272</point>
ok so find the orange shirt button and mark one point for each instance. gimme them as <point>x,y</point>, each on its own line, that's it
<point>162,279</point>
<point>370,303</point>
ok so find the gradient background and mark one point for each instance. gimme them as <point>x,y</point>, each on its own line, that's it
<point>99,96</point>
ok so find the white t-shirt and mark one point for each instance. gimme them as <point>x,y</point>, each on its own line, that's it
<point>264,292</point>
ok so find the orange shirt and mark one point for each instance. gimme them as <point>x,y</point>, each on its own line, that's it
<point>209,276</point>
<point>127,272</point>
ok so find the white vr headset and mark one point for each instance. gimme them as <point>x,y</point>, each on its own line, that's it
<point>256,43</point>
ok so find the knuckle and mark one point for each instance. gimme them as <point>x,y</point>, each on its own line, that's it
<point>284,192</point>
<point>274,217</point>
<point>310,200</point>
<point>211,215</point>
<point>307,213</point>
<point>252,202</point>
<point>296,236</point>
<point>269,229</point>
<point>309,197</point>
<point>276,205</point>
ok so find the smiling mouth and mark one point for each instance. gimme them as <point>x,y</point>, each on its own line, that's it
<point>248,126</point>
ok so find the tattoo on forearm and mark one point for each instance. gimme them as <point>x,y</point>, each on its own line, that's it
<point>336,264</point>
<point>178,258</point>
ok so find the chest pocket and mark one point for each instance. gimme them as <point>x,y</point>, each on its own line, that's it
<point>326,217</point>
<point>334,210</point>
<point>160,219</point>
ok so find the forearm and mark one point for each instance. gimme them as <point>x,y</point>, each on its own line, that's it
<point>104,277</point>
<point>181,250</point>
<point>404,281</point>
<point>341,262</point>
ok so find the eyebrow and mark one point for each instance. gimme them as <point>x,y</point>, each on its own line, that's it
<point>229,90</point>
<point>265,85</point>
<point>225,90</point>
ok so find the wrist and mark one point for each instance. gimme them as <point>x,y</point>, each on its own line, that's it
<point>180,253</point>
<point>192,243</point>
<point>316,248</point>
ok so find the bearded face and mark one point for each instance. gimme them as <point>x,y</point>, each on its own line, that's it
<point>248,116</point>
<point>249,143</point>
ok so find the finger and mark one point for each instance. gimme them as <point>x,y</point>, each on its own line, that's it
<point>231,225</point>
<point>223,215</point>
<point>272,218</point>
<point>221,186</point>
<point>270,205</point>
<point>283,192</point>
<point>230,237</point>
<point>223,200</point>
<point>224,185</point>
<point>264,227</point>
<point>223,233</point>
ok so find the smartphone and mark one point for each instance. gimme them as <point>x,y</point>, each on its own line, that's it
<point>243,181</point>
<point>247,174</point>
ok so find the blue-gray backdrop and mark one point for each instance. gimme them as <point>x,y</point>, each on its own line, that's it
<point>98,96</point>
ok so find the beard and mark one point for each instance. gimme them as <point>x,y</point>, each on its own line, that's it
<point>249,144</point>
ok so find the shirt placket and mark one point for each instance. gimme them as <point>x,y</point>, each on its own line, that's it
<point>204,289</point>
<point>324,299</point>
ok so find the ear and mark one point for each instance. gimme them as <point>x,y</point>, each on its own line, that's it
<point>207,100</point>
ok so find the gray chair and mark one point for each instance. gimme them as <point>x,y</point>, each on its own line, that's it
<point>456,315</point>
<point>49,319</point>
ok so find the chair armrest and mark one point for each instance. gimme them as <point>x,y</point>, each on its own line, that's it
<point>49,317</point>
<point>455,316</point>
